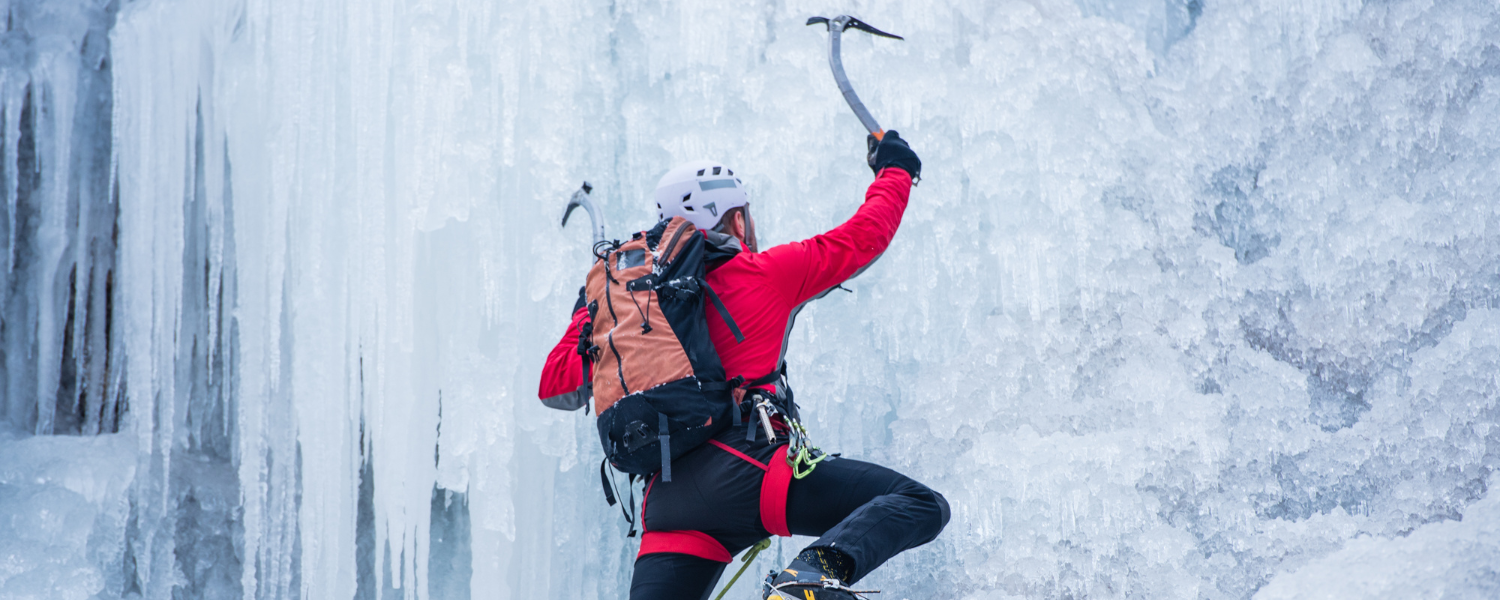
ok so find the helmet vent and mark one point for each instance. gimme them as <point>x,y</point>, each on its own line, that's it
<point>730,172</point>
<point>716,170</point>
<point>700,172</point>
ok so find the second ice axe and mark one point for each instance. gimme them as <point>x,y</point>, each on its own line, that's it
<point>836,28</point>
<point>596,220</point>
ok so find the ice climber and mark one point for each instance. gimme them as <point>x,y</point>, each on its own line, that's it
<point>726,495</point>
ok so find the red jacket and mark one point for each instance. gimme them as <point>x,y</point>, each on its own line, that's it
<point>763,290</point>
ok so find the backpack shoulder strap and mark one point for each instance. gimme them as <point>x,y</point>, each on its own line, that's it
<point>734,328</point>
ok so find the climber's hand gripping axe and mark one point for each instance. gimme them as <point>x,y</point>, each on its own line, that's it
<point>836,27</point>
<point>581,198</point>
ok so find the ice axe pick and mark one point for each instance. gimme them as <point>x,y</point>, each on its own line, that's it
<point>836,28</point>
<point>581,198</point>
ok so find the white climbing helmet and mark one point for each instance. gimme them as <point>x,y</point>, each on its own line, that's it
<point>700,191</point>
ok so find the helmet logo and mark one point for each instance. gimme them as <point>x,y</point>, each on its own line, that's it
<point>713,209</point>
<point>715,184</point>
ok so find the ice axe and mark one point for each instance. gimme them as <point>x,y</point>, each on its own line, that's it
<point>836,28</point>
<point>581,198</point>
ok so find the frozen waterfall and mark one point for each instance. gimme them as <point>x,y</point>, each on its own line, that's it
<point>1197,298</point>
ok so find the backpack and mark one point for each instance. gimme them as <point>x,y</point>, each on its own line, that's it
<point>658,385</point>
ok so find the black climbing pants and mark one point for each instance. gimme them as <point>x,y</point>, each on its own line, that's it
<point>864,510</point>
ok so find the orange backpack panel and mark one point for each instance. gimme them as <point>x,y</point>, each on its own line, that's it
<point>659,388</point>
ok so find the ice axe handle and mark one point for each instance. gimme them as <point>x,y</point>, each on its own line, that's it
<point>836,27</point>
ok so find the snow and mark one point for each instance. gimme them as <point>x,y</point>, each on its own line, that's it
<point>1196,299</point>
<point>63,501</point>
<point>1452,559</point>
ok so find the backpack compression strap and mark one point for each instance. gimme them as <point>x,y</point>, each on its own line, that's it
<point>663,437</point>
<point>609,496</point>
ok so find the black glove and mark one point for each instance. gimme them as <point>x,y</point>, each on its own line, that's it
<point>581,300</point>
<point>892,151</point>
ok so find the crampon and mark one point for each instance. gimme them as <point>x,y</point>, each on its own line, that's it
<point>791,584</point>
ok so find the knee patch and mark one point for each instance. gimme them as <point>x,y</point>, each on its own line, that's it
<point>932,497</point>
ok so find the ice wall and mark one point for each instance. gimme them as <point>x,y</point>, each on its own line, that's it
<point>1195,300</point>
<point>56,217</point>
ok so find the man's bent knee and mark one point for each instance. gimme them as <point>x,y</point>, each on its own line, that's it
<point>932,504</point>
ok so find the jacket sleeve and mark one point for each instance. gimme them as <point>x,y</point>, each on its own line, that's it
<point>803,270</point>
<point>566,382</point>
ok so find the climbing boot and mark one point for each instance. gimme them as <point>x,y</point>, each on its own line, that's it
<point>801,581</point>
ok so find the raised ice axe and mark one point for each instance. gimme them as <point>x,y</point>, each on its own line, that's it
<point>581,198</point>
<point>836,28</point>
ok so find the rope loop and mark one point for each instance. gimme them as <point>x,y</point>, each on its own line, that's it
<point>748,558</point>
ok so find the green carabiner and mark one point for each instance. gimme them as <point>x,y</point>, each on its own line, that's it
<point>802,459</point>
